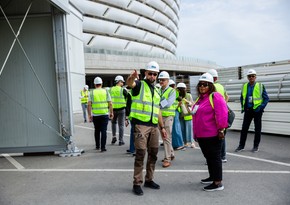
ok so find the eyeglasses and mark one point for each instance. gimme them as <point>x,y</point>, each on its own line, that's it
<point>161,80</point>
<point>251,76</point>
<point>155,74</point>
<point>202,84</point>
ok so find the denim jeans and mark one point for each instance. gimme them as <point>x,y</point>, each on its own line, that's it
<point>186,128</point>
<point>100,124</point>
<point>177,140</point>
<point>84,108</point>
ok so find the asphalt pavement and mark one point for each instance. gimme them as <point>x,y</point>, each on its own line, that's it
<point>261,178</point>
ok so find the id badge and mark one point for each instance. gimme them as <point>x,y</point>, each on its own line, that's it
<point>250,99</point>
<point>195,109</point>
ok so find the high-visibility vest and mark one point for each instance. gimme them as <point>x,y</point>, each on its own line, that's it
<point>144,105</point>
<point>99,102</point>
<point>168,111</point>
<point>187,117</point>
<point>85,95</point>
<point>257,95</point>
<point>118,98</point>
<point>220,89</point>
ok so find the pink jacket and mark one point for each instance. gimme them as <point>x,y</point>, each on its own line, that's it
<point>207,121</point>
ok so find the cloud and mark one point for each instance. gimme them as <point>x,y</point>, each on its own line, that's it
<point>234,33</point>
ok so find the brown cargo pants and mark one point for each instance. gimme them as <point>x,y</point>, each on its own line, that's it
<point>146,138</point>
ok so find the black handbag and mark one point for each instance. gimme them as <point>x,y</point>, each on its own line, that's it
<point>231,117</point>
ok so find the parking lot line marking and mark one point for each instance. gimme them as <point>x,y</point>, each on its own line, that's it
<point>13,161</point>
<point>259,159</point>
<point>158,170</point>
<point>228,153</point>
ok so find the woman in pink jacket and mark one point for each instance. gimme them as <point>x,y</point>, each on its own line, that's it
<point>210,118</point>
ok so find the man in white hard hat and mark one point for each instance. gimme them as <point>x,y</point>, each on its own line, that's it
<point>84,101</point>
<point>100,109</point>
<point>168,96</point>
<point>119,96</point>
<point>220,89</point>
<point>254,99</point>
<point>146,116</point>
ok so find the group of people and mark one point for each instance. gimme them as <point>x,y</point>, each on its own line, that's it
<point>171,113</point>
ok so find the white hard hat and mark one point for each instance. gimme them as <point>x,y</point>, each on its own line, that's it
<point>163,75</point>
<point>206,77</point>
<point>181,85</point>
<point>171,82</point>
<point>98,80</point>
<point>152,66</point>
<point>86,87</point>
<point>158,85</point>
<point>251,72</point>
<point>213,72</point>
<point>119,78</point>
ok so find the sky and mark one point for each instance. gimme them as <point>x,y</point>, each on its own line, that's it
<point>235,32</point>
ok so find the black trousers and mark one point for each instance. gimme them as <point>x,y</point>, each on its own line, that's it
<point>211,149</point>
<point>100,124</point>
<point>248,117</point>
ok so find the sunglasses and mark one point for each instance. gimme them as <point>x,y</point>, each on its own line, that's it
<point>251,76</point>
<point>202,84</point>
<point>161,80</point>
<point>154,74</point>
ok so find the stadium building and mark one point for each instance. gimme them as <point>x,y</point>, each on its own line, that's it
<point>120,36</point>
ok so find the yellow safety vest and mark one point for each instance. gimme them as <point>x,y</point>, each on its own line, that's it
<point>187,117</point>
<point>220,89</point>
<point>85,95</point>
<point>257,95</point>
<point>118,98</point>
<point>144,105</point>
<point>168,111</point>
<point>99,102</point>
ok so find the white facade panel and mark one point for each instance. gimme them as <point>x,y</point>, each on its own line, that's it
<point>122,16</point>
<point>122,3</point>
<point>175,8</point>
<point>172,27</point>
<point>130,32</point>
<point>163,31</point>
<point>77,85</point>
<point>141,8</point>
<point>89,7</point>
<point>148,24</point>
<point>101,42</point>
<point>159,5</point>
<point>160,17</point>
<point>75,24</point>
<point>138,47</point>
<point>99,26</point>
<point>76,53</point>
<point>158,50</point>
<point>167,44</point>
<point>169,12</point>
<point>129,21</point>
<point>153,39</point>
<point>173,39</point>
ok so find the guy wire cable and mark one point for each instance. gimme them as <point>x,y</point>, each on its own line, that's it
<point>38,118</point>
